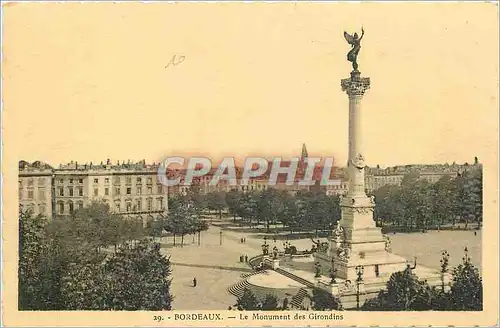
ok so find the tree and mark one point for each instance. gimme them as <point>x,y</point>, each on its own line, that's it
<point>324,301</point>
<point>139,278</point>
<point>248,301</point>
<point>179,221</point>
<point>270,303</point>
<point>270,206</point>
<point>85,286</point>
<point>445,195</point>
<point>34,253</point>
<point>233,199</point>
<point>217,201</point>
<point>154,228</point>
<point>467,287</point>
<point>404,293</point>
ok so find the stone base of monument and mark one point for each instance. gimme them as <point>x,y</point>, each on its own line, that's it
<point>270,262</point>
<point>375,265</point>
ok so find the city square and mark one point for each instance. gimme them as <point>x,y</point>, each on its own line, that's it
<point>218,267</point>
<point>325,164</point>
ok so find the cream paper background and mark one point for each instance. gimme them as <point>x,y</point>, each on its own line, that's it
<point>88,81</point>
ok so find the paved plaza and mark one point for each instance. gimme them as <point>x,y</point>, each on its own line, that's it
<point>217,267</point>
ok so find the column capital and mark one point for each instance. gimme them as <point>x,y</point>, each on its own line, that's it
<point>355,85</point>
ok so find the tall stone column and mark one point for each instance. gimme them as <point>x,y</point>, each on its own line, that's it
<point>355,87</point>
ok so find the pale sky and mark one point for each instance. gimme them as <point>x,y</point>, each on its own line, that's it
<point>87,82</point>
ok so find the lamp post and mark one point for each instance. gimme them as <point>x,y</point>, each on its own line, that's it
<point>333,273</point>
<point>359,271</point>
<point>444,266</point>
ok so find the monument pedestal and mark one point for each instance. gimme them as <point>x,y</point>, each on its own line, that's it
<point>358,242</point>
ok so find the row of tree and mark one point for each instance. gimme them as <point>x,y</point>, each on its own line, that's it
<point>418,204</point>
<point>415,204</point>
<point>403,292</point>
<point>92,261</point>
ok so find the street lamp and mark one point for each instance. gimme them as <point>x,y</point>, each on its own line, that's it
<point>359,272</point>
<point>333,273</point>
<point>466,257</point>
<point>444,266</point>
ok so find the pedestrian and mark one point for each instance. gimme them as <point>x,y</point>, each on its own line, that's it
<point>246,258</point>
<point>194,282</point>
<point>241,240</point>
<point>475,233</point>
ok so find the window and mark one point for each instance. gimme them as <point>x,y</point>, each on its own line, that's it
<point>139,191</point>
<point>70,191</point>
<point>71,181</point>
<point>30,182</point>
<point>129,191</point>
<point>41,181</point>
<point>150,204</point>
<point>71,207</point>
<point>61,191</point>
<point>139,205</point>
<point>41,194</point>
<point>80,180</point>
<point>106,180</point>
<point>117,207</point>
<point>160,189</point>
<point>150,190</point>
<point>116,180</point>
<point>106,191</point>
<point>80,205</point>
<point>96,192</point>
<point>80,191</point>
<point>128,180</point>
<point>150,180</point>
<point>61,208</point>
<point>117,190</point>
<point>30,194</point>
<point>61,181</point>
<point>129,206</point>
<point>96,180</point>
<point>139,180</point>
<point>159,203</point>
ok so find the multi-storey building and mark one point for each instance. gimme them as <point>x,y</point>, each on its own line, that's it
<point>132,190</point>
<point>35,188</point>
<point>377,177</point>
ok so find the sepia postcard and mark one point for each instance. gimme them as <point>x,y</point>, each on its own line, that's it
<point>250,164</point>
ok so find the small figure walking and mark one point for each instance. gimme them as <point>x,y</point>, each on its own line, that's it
<point>246,258</point>
<point>194,282</point>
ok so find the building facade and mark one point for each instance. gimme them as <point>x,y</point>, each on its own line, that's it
<point>131,190</point>
<point>35,188</point>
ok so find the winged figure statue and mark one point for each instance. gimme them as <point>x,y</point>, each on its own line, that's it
<point>355,42</point>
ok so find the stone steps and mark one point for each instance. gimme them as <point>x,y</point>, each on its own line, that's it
<point>294,277</point>
<point>298,298</point>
